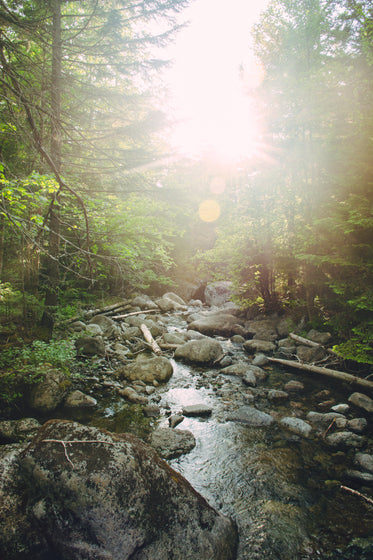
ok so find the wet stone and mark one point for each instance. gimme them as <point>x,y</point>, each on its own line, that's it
<point>276,395</point>
<point>296,425</point>
<point>172,443</point>
<point>341,408</point>
<point>294,386</point>
<point>260,360</point>
<point>364,461</point>
<point>364,477</point>
<point>251,416</point>
<point>197,410</point>
<point>131,395</point>
<point>151,411</point>
<point>175,419</point>
<point>345,439</point>
<point>357,425</point>
<point>362,401</point>
<point>77,399</point>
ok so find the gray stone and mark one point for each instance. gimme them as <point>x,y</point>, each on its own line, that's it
<point>108,326</point>
<point>204,351</point>
<point>249,378</point>
<point>319,337</point>
<point>342,408</point>
<point>149,370</point>
<point>90,346</point>
<point>361,401</point>
<point>323,419</point>
<point>294,386</point>
<point>310,355</point>
<point>111,497</point>
<point>151,411</point>
<point>171,302</point>
<point>175,419</point>
<point>296,425</point>
<point>171,443</point>
<point>260,360</point>
<point>13,431</point>
<point>264,346</point>
<point>237,339</point>
<point>197,410</point>
<point>94,330</point>
<point>174,338</point>
<point>264,329</point>
<point>345,439</point>
<point>218,293</point>
<point>217,324</point>
<point>239,368</point>
<point>129,333</point>
<point>364,477</point>
<point>131,395</point>
<point>252,416</point>
<point>364,461</point>
<point>143,302</point>
<point>77,399</point>
<point>277,395</point>
<point>357,425</point>
<point>46,395</point>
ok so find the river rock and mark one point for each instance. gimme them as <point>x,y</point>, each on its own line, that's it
<point>144,302</point>
<point>263,346</point>
<point>77,399</point>
<point>239,368</point>
<point>260,360</point>
<point>197,410</point>
<point>108,326</point>
<point>151,411</point>
<point>310,355</point>
<point>129,333</point>
<point>175,420</point>
<point>357,425</point>
<point>94,330</point>
<point>218,293</point>
<point>361,401</point>
<point>323,419</point>
<point>277,395</point>
<point>294,386</point>
<point>111,497</point>
<point>364,461</point>
<point>90,346</point>
<point>252,416</point>
<point>319,337</point>
<point>13,431</point>
<point>157,369</point>
<point>345,439</point>
<point>342,408</point>
<point>174,338</point>
<point>46,395</point>
<point>218,324</point>
<point>363,477</point>
<point>171,302</point>
<point>264,329</point>
<point>296,425</point>
<point>170,443</point>
<point>204,351</point>
<point>131,395</point>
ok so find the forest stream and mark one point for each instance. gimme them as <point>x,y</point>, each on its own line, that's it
<point>282,490</point>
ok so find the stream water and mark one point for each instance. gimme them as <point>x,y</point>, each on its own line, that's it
<point>284,492</point>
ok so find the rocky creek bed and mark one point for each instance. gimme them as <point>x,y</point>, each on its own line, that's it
<point>265,462</point>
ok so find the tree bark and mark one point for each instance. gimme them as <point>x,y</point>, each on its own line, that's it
<point>52,263</point>
<point>341,375</point>
<point>150,340</point>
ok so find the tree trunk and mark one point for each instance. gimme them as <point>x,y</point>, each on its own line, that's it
<point>52,263</point>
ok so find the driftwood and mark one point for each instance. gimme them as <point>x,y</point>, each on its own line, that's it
<point>134,313</point>
<point>150,340</point>
<point>103,311</point>
<point>356,493</point>
<point>341,375</point>
<point>304,341</point>
<point>307,342</point>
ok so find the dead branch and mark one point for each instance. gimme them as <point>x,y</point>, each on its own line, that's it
<point>307,342</point>
<point>134,313</point>
<point>328,428</point>
<point>356,493</point>
<point>150,340</point>
<point>341,375</point>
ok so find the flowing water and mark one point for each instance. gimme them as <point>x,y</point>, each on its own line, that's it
<point>284,492</point>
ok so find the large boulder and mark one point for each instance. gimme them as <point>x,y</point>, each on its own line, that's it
<point>172,443</point>
<point>203,351</point>
<point>106,324</point>
<point>218,293</point>
<point>103,496</point>
<point>157,369</point>
<point>46,395</point>
<point>171,302</point>
<point>217,324</point>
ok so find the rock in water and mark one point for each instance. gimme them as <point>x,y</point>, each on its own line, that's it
<point>103,496</point>
<point>204,351</point>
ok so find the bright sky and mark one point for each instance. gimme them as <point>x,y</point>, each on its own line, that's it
<point>215,112</point>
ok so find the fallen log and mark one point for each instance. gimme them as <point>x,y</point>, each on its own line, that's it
<point>341,375</point>
<point>311,343</point>
<point>304,341</point>
<point>135,313</point>
<point>150,340</point>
